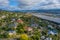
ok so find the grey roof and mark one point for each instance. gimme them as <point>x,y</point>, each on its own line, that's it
<point>57,20</point>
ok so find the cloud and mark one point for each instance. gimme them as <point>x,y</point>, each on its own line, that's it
<point>40,4</point>
<point>4,2</point>
<point>5,5</point>
<point>29,4</point>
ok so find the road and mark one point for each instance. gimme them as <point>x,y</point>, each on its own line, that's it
<point>57,20</point>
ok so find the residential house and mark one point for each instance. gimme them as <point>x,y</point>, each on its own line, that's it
<point>20,21</point>
<point>48,38</point>
<point>53,32</point>
<point>11,32</point>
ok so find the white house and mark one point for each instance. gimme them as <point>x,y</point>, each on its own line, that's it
<point>50,26</point>
<point>12,32</point>
<point>48,38</point>
<point>53,32</point>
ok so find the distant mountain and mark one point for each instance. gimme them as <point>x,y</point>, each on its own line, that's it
<point>38,11</point>
<point>41,11</point>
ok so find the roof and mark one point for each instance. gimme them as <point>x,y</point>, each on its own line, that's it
<point>52,32</point>
<point>11,31</point>
<point>19,21</point>
<point>12,25</point>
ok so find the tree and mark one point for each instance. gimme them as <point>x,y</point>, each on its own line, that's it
<point>24,37</point>
<point>36,35</point>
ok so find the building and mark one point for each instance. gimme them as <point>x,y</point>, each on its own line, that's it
<point>48,38</point>
<point>53,32</point>
<point>20,21</point>
<point>11,32</point>
<point>28,28</point>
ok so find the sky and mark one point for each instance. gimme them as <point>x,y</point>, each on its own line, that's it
<point>29,4</point>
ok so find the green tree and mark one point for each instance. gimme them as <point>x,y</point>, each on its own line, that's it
<point>24,37</point>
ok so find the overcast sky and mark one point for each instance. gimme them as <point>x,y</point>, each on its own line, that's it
<point>29,4</point>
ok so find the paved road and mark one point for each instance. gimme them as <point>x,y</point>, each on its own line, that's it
<point>57,20</point>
